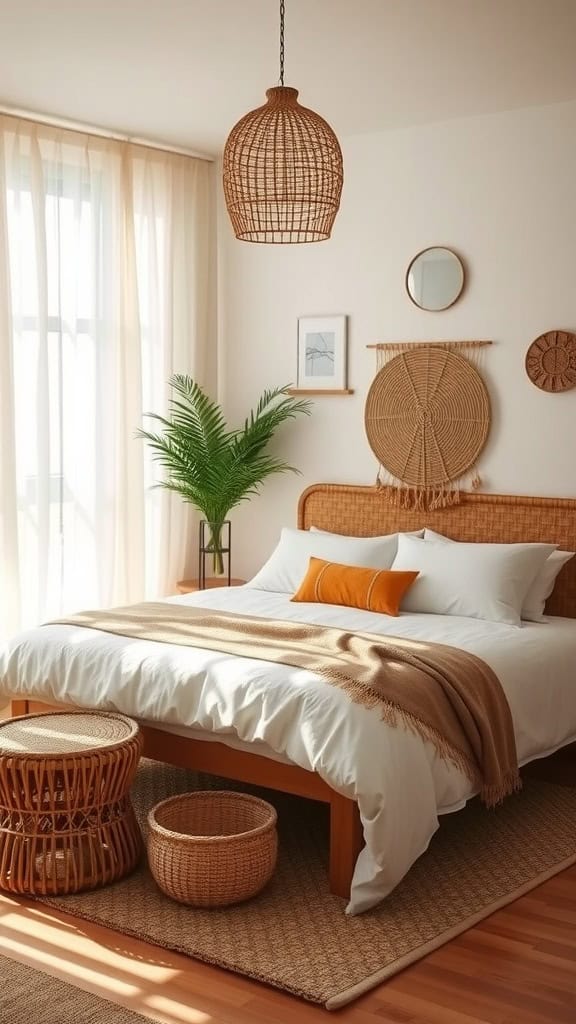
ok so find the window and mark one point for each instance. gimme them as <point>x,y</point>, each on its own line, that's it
<point>102,312</point>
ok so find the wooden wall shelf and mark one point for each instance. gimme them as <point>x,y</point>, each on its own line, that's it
<point>320,391</point>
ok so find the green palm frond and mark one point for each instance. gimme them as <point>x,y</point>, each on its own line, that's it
<point>204,461</point>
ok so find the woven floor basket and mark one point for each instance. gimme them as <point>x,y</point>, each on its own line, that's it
<point>212,848</point>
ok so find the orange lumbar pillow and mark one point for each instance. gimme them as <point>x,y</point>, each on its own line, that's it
<point>374,590</point>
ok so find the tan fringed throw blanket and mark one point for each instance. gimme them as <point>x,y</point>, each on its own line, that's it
<point>446,695</point>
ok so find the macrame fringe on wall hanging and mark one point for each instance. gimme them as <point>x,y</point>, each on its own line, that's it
<point>427,417</point>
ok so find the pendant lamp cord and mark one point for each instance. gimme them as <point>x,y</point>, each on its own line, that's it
<point>282,42</point>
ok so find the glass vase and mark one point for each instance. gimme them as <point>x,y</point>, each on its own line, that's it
<point>214,552</point>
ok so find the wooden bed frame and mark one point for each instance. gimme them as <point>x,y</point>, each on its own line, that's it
<point>365,511</point>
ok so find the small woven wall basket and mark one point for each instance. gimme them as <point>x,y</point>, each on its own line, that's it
<point>551,361</point>
<point>212,848</point>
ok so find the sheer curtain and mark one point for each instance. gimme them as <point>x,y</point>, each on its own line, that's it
<point>106,289</point>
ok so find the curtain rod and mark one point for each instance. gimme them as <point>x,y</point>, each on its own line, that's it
<point>101,133</point>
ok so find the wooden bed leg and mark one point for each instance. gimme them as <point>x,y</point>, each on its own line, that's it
<point>18,707</point>
<point>346,841</point>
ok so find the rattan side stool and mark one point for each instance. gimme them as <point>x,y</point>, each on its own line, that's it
<point>66,821</point>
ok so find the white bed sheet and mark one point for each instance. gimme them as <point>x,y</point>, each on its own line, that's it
<point>399,781</point>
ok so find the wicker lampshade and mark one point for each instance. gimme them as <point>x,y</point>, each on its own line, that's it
<point>283,172</point>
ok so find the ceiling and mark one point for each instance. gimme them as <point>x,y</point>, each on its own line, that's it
<point>183,71</point>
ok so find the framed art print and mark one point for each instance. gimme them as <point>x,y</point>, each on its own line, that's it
<point>322,353</point>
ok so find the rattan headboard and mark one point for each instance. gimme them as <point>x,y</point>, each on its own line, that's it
<point>500,518</point>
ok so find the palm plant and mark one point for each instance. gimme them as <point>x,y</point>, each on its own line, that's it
<point>210,465</point>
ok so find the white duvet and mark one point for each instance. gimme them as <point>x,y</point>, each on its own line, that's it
<point>400,783</point>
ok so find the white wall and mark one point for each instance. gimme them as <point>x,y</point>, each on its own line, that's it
<point>501,190</point>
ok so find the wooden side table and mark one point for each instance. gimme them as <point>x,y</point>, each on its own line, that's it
<point>66,821</point>
<point>189,586</point>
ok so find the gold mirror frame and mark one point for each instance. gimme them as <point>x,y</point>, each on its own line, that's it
<point>432,248</point>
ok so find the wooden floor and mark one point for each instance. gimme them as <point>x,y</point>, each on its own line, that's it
<point>516,967</point>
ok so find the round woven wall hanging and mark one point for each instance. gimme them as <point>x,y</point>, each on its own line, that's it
<point>551,361</point>
<point>427,416</point>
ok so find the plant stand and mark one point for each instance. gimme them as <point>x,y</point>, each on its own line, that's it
<point>214,548</point>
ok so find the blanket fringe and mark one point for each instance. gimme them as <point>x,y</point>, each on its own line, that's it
<point>392,714</point>
<point>494,795</point>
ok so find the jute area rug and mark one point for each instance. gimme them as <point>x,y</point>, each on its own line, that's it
<point>295,935</point>
<point>28,996</point>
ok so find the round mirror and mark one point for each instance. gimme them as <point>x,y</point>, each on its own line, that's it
<point>435,278</point>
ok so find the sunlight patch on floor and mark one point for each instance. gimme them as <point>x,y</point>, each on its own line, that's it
<point>45,960</point>
<point>68,940</point>
<point>179,1011</point>
<point>66,953</point>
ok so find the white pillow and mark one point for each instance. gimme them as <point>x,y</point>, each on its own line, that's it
<point>479,581</point>
<point>541,586</point>
<point>411,533</point>
<point>288,563</point>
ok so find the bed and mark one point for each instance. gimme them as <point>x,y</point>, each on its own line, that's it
<point>385,789</point>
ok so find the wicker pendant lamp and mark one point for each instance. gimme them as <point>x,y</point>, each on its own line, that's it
<point>282,169</point>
